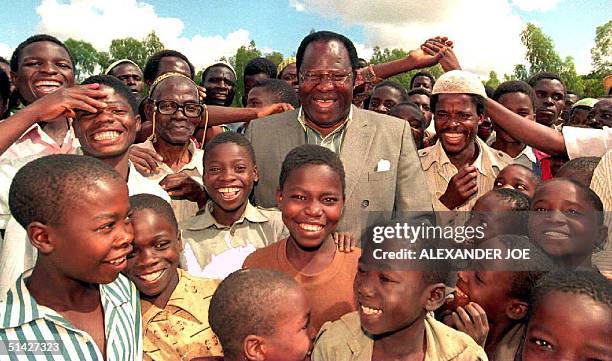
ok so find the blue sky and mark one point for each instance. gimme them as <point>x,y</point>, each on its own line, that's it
<point>206,30</point>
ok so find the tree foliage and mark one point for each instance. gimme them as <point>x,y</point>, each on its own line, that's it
<point>493,81</point>
<point>386,55</point>
<point>601,53</point>
<point>86,58</point>
<point>136,50</point>
<point>243,55</point>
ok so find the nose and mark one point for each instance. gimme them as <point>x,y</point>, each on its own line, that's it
<point>382,109</point>
<point>131,81</point>
<point>547,99</point>
<point>555,217</point>
<point>314,208</point>
<point>227,174</point>
<point>464,276</point>
<point>49,68</point>
<point>126,235</point>
<point>362,285</point>
<point>146,257</point>
<point>325,83</point>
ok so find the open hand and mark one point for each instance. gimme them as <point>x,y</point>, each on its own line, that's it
<point>66,102</point>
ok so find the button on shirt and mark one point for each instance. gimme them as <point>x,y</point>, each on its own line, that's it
<point>332,141</point>
<point>22,319</point>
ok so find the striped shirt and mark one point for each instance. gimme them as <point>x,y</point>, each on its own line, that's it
<point>23,320</point>
<point>332,141</point>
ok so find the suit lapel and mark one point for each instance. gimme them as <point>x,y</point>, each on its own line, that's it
<point>356,148</point>
<point>289,134</point>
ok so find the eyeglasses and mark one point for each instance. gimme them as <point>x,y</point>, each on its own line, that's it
<point>317,76</point>
<point>169,107</point>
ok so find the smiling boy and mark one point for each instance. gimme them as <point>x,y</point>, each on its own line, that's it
<point>74,296</point>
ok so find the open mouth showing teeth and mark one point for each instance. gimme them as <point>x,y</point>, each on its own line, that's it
<point>47,85</point>
<point>151,277</point>
<point>311,227</point>
<point>370,311</point>
<point>555,234</point>
<point>117,261</point>
<point>453,137</point>
<point>229,192</point>
<point>108,135</point>
<point>325,102</point>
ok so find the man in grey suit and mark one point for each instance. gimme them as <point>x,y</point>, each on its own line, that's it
<point>383,172</point>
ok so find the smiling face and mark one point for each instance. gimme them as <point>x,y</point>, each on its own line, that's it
<point>384,98</point>
<point>292,337</point>
<point>44,67</point>
<point>220,86</point>
<point>518,103</point>
<point>564,223</point>
<point>489,289</point>
<point>110,132</point>
<point>229,175</point>
<point>456,122</point>
<point>175,128</point>
<point>154,259</point>
<point>91,243</point>
<point>131,76</point>
<point>550,100</point>
<point>516,177</point>
<point>326,103</point>
<point>311,206</point>
<point>568,326</point>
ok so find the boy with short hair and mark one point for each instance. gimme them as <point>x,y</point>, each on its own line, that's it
<point>519,177</point>
<point>411,113</point>
<point>174,303</point>
<point>395,300</point>
<point>570,318</point>
<point>74,298</point>
<point>311,207</point>
<point>579,169</point>
<point>261,315</point>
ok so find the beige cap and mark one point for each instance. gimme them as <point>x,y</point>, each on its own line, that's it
<point>459,82</point>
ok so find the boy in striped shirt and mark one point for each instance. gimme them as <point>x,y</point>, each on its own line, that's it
<point>74,304</point>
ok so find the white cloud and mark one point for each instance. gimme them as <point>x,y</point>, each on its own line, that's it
<point>101,21</point>
<point>536,5</point>
<point>364,51</point>
<point>297,5</point>
<point>6,51</point>
<point>485,32</point>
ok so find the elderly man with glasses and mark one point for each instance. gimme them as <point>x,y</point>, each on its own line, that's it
<point>383,175</point>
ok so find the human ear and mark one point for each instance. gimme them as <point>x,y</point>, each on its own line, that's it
<point>256,174</point>
<point>279,196</point>
<point>39,235</point>
<point>138,122</point>
<point>480,119</point>
<point>253,348</point>
<point>435,296</point>
<point>516,310</point>
<point>601,239</point>
<point>179,239</point>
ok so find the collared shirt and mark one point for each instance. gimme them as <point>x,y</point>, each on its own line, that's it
<point>332,141</point>
<point>36,142</point>
<point>587,142</point>
<point>213,250</point>
<point>439,170</point>
<point>601,184</point>
<point>344,340</point>
<point>183,208</point>
<point>180,331</point>
<point>21,319</point>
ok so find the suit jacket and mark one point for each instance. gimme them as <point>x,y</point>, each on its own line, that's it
<point>372,195</point>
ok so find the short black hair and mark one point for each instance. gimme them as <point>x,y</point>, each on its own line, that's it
<point>588,283</point>
<point>588,193</point>
<point>143,201</point>
<point>311,154</point>
<point>585,165</point>
<point>421,91</point>
<point>518,200</point>
<point>3,60</point>
<point>280,89</point>
<point>424,73</point>
<point>208,69</point>
<point>395,85</point>
<point>514,86</point>
<point>5,88</point>
<point>229,137</point>
<point>327,36</point>
<point>246,303</point>
<point>260,66</point>
<point>489,90</point>
<point>118,86</point>
<point>16,57</point>
<point>479,101</point>
<point>152,66</point>
<point>535,177</point>
<point>545,75</point>
<point>45,189</point>
<point>416,111</point>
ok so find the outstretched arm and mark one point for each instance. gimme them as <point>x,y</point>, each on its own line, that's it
<point>218,115</point>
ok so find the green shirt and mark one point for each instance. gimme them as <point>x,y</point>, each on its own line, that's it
<point>332,141</point>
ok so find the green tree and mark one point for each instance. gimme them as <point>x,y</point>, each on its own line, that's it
<point>573,82</point>
<point>541,54</point>
<point>386,55</point>
<point>243,55</point>
<point>136,50</point>
<point>86,58</point>
<point>601,53</point>
<point>275,57</point>
<point>493,81</point>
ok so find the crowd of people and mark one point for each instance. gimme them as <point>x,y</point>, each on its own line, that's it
<point>144,217</point>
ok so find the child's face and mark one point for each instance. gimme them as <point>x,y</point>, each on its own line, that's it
<point>518,103</point>
<point>95,235</point>
<point>515,177</point>
<point>388,301</point>
<point>563,222</point>
<point>153,261</point>
<point>44,67</point>
<point>229,175</point>
<point>293,335</point>
<point>111,131</point>
<point>567,326</point>
<point>492,214</point>
<point>311,202</point>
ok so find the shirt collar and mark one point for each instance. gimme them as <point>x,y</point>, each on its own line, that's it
<point>438,155</point>
<point>196,161</point>
<point>204,219</point>
<point>302,119</point>
<point>528,152</point>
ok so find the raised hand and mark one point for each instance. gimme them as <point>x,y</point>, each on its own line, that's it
<point>461,187</point>
<point>66,102</point>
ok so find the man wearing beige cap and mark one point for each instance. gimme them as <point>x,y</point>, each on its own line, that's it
<point>129,73</point>
<point>459,167</point>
